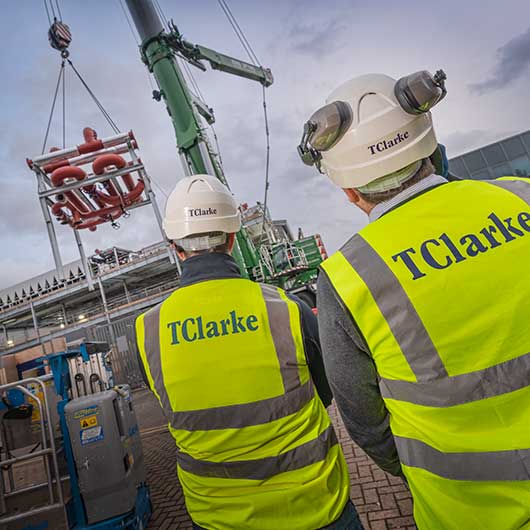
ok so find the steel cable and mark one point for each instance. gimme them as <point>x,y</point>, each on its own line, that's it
<point>53,10</point>
<point>61,73</point>
<point>239,32</point>
<point>64,109</point>
<point>133,33</point>
<point>47,12</point>
<point>161,13</point>
<point>254,59</point>
<point>111,122</point>
<point>136,39</point>
<point>59,10</point>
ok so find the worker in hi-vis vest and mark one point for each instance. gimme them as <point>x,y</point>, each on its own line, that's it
<point>236,366</point>
<point>424,314</point>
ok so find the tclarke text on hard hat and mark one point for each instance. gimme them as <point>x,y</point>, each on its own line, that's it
<point>199,212</point>
<point>194,328</point>
<point>383,145</point>
<point>442,252</point>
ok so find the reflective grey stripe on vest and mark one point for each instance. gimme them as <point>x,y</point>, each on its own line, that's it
<point>517,187</point>
<point>152,353</point>
<point>263,468</point>
<point>280,326</point>
<point>488,465</point>
<point>397,309</point>
<point>243,415</point>
<point>458,389</point>
<point>238,415</point>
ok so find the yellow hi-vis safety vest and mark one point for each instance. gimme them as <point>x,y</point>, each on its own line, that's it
<point>256,448</point>
<point>440,290</point>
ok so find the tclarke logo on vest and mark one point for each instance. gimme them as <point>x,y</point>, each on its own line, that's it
<point>383,145</point>
<point>194,328</point>
<point>444,252</point>
<point>200,212</point>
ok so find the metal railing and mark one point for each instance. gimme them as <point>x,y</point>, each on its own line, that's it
<point>48,453</point>
<point>86,314</point>
<point>100,270</point>
<point>279,260</point>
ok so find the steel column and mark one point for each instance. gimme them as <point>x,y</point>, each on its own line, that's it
<point>36,326</point>
<point>86,266</point>
<point>107,316</point>
<point>49,227</point>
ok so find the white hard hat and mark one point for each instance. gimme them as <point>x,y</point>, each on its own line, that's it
<point>200,204</point>
<point>373,126</point>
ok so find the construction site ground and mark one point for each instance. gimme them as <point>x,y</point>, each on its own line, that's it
<point>383,501</point>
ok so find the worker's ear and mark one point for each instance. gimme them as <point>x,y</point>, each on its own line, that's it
<point>181,254</point>
<point>353,195</point>
<point>231,242</point>
<point>356,198</point>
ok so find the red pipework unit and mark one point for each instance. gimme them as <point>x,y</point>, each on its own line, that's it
<point>93,204</point>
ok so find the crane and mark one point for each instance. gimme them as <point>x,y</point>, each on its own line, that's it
<point>282,260</point>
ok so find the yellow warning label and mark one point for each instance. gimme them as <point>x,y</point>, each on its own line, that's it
<point>88,421</point>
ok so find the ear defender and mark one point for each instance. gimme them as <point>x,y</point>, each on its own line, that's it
<point>417,93</point>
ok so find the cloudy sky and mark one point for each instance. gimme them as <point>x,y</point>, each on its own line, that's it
<point>311,46</point>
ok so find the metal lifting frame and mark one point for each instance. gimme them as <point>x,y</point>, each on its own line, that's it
<point>120,143</point>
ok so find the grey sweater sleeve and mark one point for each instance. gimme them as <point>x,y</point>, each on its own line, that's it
<point>353,378</point>
<point>313,352</point>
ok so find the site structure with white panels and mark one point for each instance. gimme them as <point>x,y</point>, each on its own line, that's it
<point>125,283</point>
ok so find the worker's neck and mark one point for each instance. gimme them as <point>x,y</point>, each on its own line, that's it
<point>211,266</point>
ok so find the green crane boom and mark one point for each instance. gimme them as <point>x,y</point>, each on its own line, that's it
<point>290,264</point>
<point>158,50</point>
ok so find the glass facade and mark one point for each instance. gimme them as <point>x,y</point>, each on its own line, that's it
<point>510,156</point>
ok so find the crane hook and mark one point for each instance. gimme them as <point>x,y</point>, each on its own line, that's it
<point>60,37</point>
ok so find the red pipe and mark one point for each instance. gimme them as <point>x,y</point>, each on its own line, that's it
<point>58,177</point>
<point>55,165</point>
<point>113,197</point>
<point>92,142</point>
<point>104,161</point>
<point>60,214</point>
<point>75,217</point>
<point>92,223</point>
<point>78,223</point>
<point>91,214</point>
<point>134,191</point>
<point>134,195</point>
<point>78,160</point>
<point>89,135</point>
<point>62,173</point>
<point>75,204</point>
<point>128,181</point>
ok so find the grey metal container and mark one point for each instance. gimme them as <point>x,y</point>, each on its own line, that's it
<point>107,450</point>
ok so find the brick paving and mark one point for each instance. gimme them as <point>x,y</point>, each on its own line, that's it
<point>383,501</point>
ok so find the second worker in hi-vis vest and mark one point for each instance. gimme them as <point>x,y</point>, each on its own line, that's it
<point>424,314</point>
<point>236,367</point>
